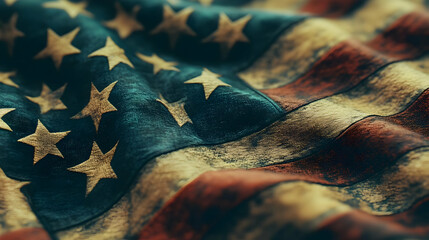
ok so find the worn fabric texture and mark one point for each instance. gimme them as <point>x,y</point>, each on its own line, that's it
<point>214,119</point>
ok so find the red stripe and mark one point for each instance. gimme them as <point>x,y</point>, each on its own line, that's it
<point>358,225</point>
<point>330,8</point>
<point>344,66</point>
<point>201,203</point>
<point>408,37</point>
<point>349,62</point>
<point>26,234</point>
<point>366,147</point>
<point>415,117</point>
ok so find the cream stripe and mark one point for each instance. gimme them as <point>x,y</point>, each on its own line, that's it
<point>295,52</point>
<point>421,65</point>
<point>397,188</point>
<point>374,16</point>
<point>277,5</point>
<point>15,212</point>
<point>389,91</point>
<point>295,5</point>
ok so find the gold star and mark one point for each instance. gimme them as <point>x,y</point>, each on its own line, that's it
<point>98,105</point>
<point>8,32</point>
<point>44,142</point>
<point>177,110</point>
<point>49,100</point>
<point>5,79</point>
<point>158,63</point>
<point>71,8</point>
<point>209,80</point>
<point>97,167</point>
<point>4,111</point>
<point>10,2</point>
<point>205,2</point>
<point>113,53</point>
<point>228,33</point>
<point>174,24</point>
<point>123,23</point>
<point>57,47</point>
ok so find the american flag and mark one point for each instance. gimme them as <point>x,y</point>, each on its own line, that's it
<point>214,119</point>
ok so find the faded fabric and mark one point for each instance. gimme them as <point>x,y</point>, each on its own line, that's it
<point>214,119</point>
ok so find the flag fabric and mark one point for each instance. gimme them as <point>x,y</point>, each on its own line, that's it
<point>214,119</point>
